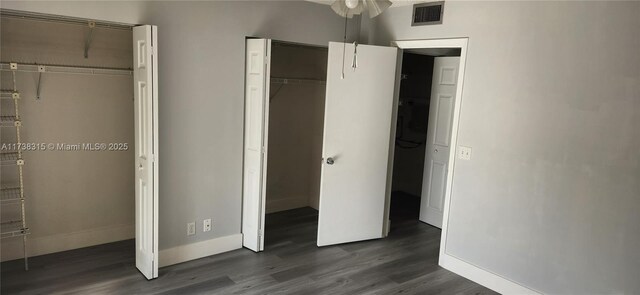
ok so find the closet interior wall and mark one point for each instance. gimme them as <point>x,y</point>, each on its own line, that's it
<point>296,121</point>
<point>73,198</point>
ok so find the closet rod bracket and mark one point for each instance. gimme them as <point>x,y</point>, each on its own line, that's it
<point>41,69</point>
<point>88,39</point>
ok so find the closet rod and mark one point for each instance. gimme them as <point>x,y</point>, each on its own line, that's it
<point>66,69</point>
<point>9,13</point>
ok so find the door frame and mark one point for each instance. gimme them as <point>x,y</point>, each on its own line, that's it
<point>446,260</point>
<point>429,44</point>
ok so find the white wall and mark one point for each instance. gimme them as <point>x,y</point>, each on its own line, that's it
<point>551,108</point>
<point>201,88</point>
<point>74,198</point>
<point>296,117</point>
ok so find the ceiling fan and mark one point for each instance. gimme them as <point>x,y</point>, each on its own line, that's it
<point>349,8</point>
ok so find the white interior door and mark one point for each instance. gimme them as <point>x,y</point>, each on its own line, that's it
<point>145,79</point>
<point>256,113</point>
<point>443,95</point>
<point>357,130</point>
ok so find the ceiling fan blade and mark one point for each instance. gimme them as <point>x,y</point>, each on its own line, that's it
<point>376,7</point>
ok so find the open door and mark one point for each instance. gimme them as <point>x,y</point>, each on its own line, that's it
<point>145,79</point>
<point>357,130</point>
<point>438,149</point>
<point>256,122</point>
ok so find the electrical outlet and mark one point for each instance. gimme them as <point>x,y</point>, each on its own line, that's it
<point>464,152</point>
<point>191,228</point>
<point>206,225</point>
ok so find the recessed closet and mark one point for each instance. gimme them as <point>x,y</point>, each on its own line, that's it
<point>295,124</point>
<point>75,87</point>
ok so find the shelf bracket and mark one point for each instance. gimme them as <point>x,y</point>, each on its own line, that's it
<point>41,69</point>
<point>89,38</point>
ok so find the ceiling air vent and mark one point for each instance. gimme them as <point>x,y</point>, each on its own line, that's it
<point>427,13</point>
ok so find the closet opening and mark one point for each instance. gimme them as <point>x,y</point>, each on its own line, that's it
<point>295,131</point>
<point>69,191</point>
<point>424,115</point>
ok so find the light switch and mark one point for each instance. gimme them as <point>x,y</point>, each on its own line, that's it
<point>464,152</point>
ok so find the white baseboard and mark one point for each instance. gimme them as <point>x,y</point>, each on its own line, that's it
<point>277,204</point>
<point>197,250</point>
<point>12,248</point>
<point>483,277</point>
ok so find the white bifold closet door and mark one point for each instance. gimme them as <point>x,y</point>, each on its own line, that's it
<point>145,79</point>
<point>357,134</point>
<point>256,114</point>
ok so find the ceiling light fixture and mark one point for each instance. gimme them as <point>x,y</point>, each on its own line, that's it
<point>351,3</point>
<point>349,8</point>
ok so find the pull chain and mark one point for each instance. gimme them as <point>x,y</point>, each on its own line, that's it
<point>344,44</point>
<point>354,63</point>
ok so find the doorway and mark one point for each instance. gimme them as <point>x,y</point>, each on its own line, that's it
<point>423,129</point>
<point>283,141</point>
<point>294,145</point>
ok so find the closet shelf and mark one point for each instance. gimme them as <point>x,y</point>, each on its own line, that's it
<point>67,69</point>
<point>10,194</point>
<point>13,228</point>
<point>9,121</point>
<point>297,81</point>
<point>10,158</point>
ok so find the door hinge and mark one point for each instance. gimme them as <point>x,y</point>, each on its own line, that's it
<point>259,233</point>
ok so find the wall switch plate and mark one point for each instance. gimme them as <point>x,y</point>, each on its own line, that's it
<point>464,152</point>
<point>191,228</point>
<point>206,225</point>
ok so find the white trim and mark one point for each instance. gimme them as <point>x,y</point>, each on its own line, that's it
<point>12,249</point>
<point>483,277</point>
<point>265,143</point>
<point>456,265</point>
<point>156,147</point>
<point>197,250</point>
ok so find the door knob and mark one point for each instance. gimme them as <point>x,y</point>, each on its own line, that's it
<point>330,161</point>
<point>436,150</point>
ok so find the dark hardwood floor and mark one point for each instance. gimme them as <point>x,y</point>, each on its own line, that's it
<point>403,263</point>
